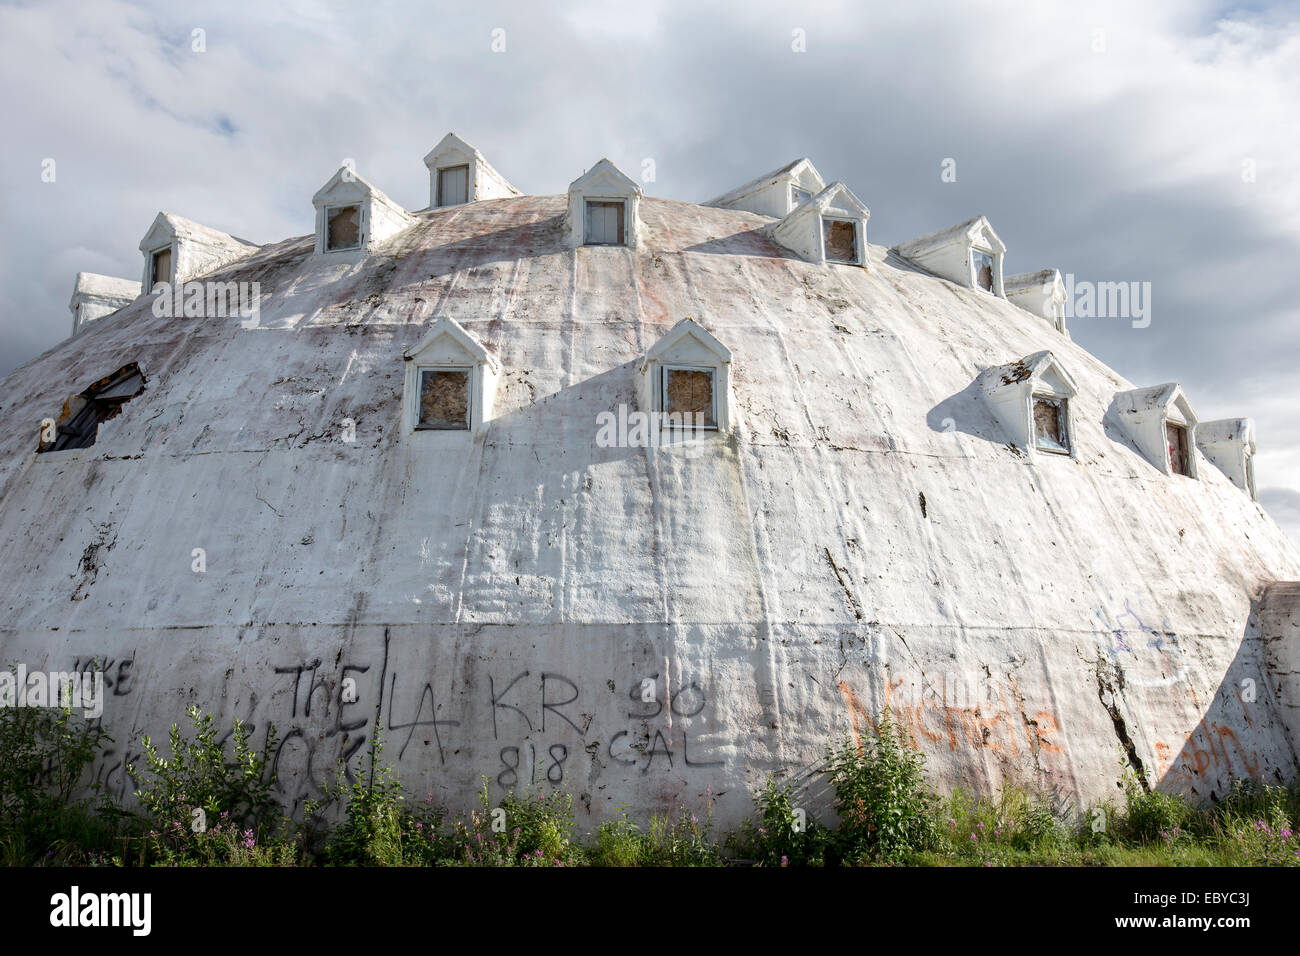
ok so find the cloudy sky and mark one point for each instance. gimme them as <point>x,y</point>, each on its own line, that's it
<point>1154,142</point>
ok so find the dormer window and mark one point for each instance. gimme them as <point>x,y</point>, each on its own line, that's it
<point>604,206</point>
<point>1230,444</point>
<point>174,250</point>
<point>444,398</point>
<point>95,296</point>
<point>840,240</point>
<point>1161,423</point>
<point>1031,399</point>
<point>688,397</point>
<point>352,215</point>
<point>343,227</point>
<point>1051,429</point>
<point>775,194</point>
<point>969,254</point>
<point>453,185</point>
<point>604,225</point>
<point>458,174</point>
<point>982,266</point>
<point>450,382</point>
<point>160,266</point>
<point>829,227</point>
<point>1040,293</point>
<point>686,381</point>
<point>1176,439</point>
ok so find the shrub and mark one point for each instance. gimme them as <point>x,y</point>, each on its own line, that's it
<point>44,755</point>
<point>1253,800</point>
<point>378,828</point>
<point>204,810</point>
<point>1028,823</point>
<point>544,822</point>
<point>885,810</point>
<point>682,839</point>
<point>522,831</point>
<point>1150,815</point>
<point>619,843</point>
<point>780,836</point>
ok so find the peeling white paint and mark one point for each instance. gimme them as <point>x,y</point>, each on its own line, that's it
<point>777,584</point>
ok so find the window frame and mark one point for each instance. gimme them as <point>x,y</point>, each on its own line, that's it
<point>325,227</point>
<point>857,239</point>
<point>618,201</point>
<point>469,371</point>
<point>795,191</point>
<point>438,185</point>
<point>1186,443</point>
<point>153,266</point>
<point>976,251</point>
<point>713,395</point>
<point>1062,403</point>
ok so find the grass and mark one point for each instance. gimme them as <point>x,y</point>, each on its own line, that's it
<point>200,806</point>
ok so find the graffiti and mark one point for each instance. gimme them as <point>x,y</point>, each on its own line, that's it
<point>992,724</point>
<point>330,719</point>
<point>1127,634</point>
<point>547,704</point>
<point>117,673</point>
<point>315,717</point>
<point>621,751</point>
<point>553,774</point>
<point>1207,753</point>
<point>647,749</point>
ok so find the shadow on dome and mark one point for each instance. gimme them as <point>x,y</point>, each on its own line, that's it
<point>963,412</point>
<point>1233,737</point>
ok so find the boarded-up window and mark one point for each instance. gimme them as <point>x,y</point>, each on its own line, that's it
<point>453,185</point>
<point>1050,430</point>
<point>343,227</point>
<point>604,225</point>
<point>798,196</point>
<point>160,267</point>
<point>840,239</point>
<point>983,269</point>
<point>1176,438</point>
<point>444,398</point>
<point>688,392</point>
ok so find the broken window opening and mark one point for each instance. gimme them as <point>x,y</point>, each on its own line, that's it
<point>444,399</point>
<point>798,196</point>
<point>1050,429</point>
<point>688,392</point>
<point>453,185</point>
<point>840,238</point>
<point>1176,439</point>
<point>983,262</point>
<point>78,426</point>
<point>342,227</point>
<point>160,266</point>
<point>604,225</point>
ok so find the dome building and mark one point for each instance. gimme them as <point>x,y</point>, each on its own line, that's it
<point>640,498</point>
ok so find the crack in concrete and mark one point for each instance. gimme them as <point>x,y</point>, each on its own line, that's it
<point>1106,689</point>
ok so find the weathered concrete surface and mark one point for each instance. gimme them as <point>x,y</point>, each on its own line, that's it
<point>864,536</point>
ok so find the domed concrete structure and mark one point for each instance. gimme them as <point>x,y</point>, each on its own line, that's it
<point>493,489</point>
